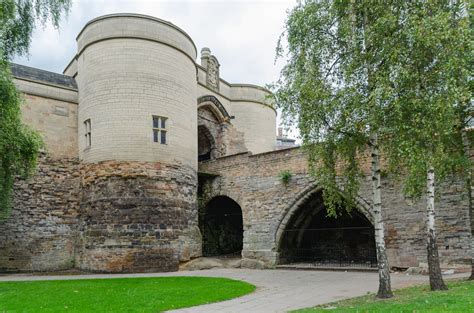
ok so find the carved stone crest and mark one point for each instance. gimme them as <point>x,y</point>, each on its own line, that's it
<point>213,73</point>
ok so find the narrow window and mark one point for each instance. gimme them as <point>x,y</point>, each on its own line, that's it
<point>87,132</point>
<point>159,129</point>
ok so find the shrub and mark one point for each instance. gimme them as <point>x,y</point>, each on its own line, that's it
<point>285,176</point>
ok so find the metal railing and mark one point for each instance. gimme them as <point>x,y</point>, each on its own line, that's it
<point>329,247</point>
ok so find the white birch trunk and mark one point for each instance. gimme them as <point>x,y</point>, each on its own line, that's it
<point>385,289</point>
<point>436,279</point>
<point>467,153</point>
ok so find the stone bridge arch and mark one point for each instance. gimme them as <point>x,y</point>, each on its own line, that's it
<point>301,198</point>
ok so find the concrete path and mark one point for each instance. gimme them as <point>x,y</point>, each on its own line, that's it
<point>277,290</point>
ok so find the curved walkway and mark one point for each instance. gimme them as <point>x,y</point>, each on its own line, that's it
<point>277,290</point>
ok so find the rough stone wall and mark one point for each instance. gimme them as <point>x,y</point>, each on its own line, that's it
<point>227,139</point>
<point>138,217</point>
<point>406,231</point>
<point>253,182</point>
<point>41,232</point>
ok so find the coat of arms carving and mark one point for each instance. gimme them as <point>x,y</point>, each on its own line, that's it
<point>213,73</point>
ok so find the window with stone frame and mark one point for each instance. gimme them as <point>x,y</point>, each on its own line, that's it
<point>87,133</point>
<point>159,129</point>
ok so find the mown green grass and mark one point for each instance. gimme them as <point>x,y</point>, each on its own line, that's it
<point>117,295</point>
<point>459,298</point>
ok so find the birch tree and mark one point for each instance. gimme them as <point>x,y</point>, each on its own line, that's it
<point>429,76</point>
<point>465,135</point>
<point>334,88</point>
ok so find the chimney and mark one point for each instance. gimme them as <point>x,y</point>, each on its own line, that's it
<point>205,54</point>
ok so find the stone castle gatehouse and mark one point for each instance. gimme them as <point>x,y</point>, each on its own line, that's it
<point>136,132</point>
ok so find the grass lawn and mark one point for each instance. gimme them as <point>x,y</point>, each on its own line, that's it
<point>459,298</point>
<point>118,294</point>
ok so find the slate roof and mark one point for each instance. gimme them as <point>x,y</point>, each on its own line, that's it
<point>31,73</point>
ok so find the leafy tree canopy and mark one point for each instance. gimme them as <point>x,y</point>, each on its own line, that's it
<point>335,85</point>
<point>398,69</point>
<point>430,77</point>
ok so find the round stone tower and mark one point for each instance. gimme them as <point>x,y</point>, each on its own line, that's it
<point>255,116</point>
<point>136,77</point>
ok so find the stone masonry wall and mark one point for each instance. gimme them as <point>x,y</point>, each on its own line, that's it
<point>41,232</point>
<point>253,182</point>
<point>55,120</point>
<point>138,217</point>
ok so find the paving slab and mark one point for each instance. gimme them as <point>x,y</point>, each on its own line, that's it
<point>277,290</point>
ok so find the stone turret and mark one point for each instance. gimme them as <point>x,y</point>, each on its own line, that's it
<point>137,121</point>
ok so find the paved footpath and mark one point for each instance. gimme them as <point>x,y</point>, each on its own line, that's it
<point>277,290</point>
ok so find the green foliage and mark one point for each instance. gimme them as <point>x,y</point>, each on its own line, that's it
<point>430,76</point>
<point>18,19</point>
<point>285,176</point>
<point>19,145</point>
<point>399,70</point>
<point>153,294</point>
<point>332,51</point>
<point>459,298</point>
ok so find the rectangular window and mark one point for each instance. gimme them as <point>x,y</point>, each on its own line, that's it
<point>159,129</point>
<point>87,132</point>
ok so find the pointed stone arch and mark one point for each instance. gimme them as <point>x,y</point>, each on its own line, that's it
<point>215,106</point>
<point>303,210</point>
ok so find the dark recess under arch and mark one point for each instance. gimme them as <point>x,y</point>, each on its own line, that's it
<point>311,237</point>
<point>206,144</point>
<point>220,222</point>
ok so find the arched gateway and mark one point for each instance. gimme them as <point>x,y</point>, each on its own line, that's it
<point>220,222</point>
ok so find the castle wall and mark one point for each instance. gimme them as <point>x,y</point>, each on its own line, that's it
<point>129,204</point>
<point>55,120</point>
<point>41,232</point>
<point>52,111</point>
<point>138,217</point>
<point>253,182</point>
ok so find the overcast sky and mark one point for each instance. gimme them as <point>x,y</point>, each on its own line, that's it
<point>241,34</point>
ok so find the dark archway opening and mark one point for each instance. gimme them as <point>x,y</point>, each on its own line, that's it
<point>221,227</point>
<point>205,144</point>
<point>313,238</point>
